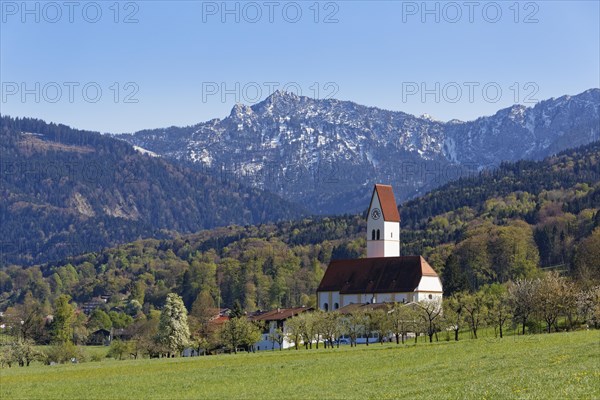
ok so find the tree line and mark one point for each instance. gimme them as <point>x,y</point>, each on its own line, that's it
<point>546,304</point>
<point>549,303</point>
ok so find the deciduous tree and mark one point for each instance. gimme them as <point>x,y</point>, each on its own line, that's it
<point>550,293</point>
<point>454,310</point>
<point>64,317</point>
<point>173,329</point>
<point>430,311</point>
<point>498,306</point>
<point>522,300</point>
<point>474,306</point>
<point>239,331</point>
<point>402,320</point>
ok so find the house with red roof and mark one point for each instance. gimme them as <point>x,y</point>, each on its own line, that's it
<point>384,276</point>
<point>275,333</point>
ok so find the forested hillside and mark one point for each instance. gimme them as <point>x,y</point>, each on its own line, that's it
<point>510,221</point>
<point>66,192</point>
<point>491,228</point>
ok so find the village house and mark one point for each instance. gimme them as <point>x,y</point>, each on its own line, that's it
<point>275,330</point>
<point>384,276</point>
<point>89,306</point>
<point>100,337</point>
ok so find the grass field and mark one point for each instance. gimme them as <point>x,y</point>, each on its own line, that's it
<point>555,366</point>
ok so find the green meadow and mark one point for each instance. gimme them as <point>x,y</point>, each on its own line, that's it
<point>549,366</point>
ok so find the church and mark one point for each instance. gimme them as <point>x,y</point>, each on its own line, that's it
<point>384,276</point>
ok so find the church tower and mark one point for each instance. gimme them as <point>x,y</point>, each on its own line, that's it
<point>383,224</point>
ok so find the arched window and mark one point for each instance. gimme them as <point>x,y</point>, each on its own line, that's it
<point>392,235</point>
<point>326,306</point>
<point>378,234</point>
<point>430,297</point>
<point>373,235</point>
<point>336,306</point>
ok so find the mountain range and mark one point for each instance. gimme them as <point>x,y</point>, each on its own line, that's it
<point>67,191</point>
<point>316,152</point>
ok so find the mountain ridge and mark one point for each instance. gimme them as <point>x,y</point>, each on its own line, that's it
<point>312,151</point>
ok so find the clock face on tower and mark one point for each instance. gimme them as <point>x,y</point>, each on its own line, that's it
<point>376,213</point>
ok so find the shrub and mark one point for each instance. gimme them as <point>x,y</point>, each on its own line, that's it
<point>118,349</point>
<point>22,353</point>
<point>66,352</point>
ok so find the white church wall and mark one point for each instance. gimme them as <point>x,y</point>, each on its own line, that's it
<point>375,248</point>
<point>392,298</point>
<point>349,299</point>
<point>392,239</point>
<point>383,298</point>
<point>328,300</point>
<point>430,284</point>
<point>365,298</point>
<point>430,288</point>
<point>420,296</point>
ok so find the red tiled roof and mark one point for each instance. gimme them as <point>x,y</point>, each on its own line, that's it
<point>375,275</point>
<point>280,314</point>
<point>389,208</point>
<point>220,320</point>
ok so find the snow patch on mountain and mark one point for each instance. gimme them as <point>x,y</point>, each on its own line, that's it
<point>316,149</point>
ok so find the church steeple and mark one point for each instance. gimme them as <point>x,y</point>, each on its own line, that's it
<point>383,224</point>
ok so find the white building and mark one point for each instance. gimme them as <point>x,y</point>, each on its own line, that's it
<point>384,276</point>
<point>275,327</point>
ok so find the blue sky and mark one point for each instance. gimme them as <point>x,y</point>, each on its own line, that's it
<point>178,63</point>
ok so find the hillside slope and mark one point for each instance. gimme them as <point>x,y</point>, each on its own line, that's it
<point>66,192</point>
<point>484,229</point>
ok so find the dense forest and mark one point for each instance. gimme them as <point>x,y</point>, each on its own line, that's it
<point>66,192</point>
<point>496,227</point>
